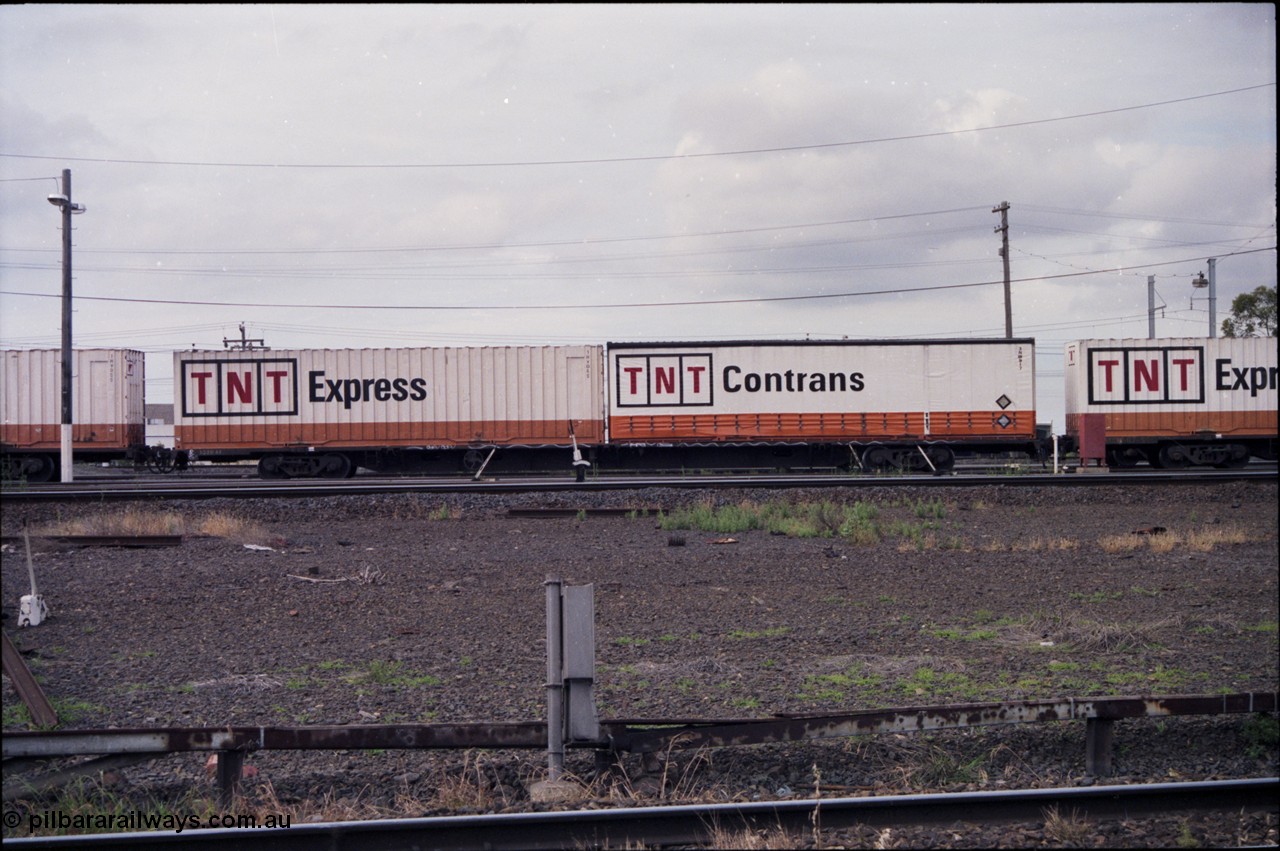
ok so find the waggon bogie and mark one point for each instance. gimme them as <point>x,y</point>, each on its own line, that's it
<point>310,465</point>
<point>905,458</point>
<point>1178,455</point>
<point>37,468</point>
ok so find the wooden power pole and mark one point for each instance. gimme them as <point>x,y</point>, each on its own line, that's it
<point>1003,230</point>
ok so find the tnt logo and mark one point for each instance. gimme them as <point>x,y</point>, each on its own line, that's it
<point>239,388</point>
<point>1144,376</point>
<point>662,380</point>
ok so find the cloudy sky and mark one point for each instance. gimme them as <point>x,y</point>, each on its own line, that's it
<point>352,176</point>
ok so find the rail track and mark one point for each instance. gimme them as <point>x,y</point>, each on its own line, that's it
<point>651,827</point>
<point>193,487</point>
<point>688,825</point>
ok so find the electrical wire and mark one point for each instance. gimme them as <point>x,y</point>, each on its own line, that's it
<point>655,157</point>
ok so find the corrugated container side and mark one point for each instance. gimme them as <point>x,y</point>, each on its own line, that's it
<point>353,398</point>
<point>1174,386</point>
<point>812,391</point>
<point>107,396</point>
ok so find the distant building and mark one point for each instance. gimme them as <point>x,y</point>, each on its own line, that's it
<point>160,425</point>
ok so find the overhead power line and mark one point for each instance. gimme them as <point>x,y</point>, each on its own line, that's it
<point>592,241</point>
<point>1064,211</point>
<point>651,158</point>
<point>560,243</point>
<point>627,305</point>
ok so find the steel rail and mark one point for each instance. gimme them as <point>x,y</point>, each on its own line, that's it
<point>25,684</point>
<point>248,488</point>
<point>682,825</point>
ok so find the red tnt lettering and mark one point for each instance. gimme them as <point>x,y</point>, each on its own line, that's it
<point>664,380</point>
<point>1108,365</point>
<point>696,373</point>
<point>200,378</point>
<point>1148,371</point>
<point>240,385</point>
<point>634,372</point>
<point>1184,370</point>
<point>277,381</point>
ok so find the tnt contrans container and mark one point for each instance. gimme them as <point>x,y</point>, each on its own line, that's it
<point>327,411</point>
<point>1175,401</point>
<point>108,407</point>
<point>910,403</point>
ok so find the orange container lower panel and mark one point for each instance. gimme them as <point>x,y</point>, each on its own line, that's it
<point>47,437</point>
<point>832,427</point>
<point>1184,424</point>
<point>251,436</point>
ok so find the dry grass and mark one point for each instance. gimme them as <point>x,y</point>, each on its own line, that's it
<point>327,808</point>
<point>128,522</point>
<point>138,523</point>
<point>1031,545</point>
<point>928,541</point>
<point>750,839</point>
<point>1158,541</point>
<point>234,528</point>
<point>1097,637</point>
<point>413,508</point>
<point>1197,540</point>
<point>1070,829</point>
<point>468,789</point>
<point>679,780</point>
<point>1036,545</point>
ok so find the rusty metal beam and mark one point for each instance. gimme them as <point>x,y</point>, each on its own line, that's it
<point>42,711</point>
<point>631,736</point>
<point>919,719</point>
<point>23,744</point>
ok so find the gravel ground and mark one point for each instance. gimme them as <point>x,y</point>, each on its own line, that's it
<point>414,608</point>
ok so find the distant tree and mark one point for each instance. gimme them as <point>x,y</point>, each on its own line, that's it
<point>1252,314</point>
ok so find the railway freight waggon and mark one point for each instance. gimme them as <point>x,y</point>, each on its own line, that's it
<point>1173,402</point>
<point>908,405</point>
<point>905,405</point>
<point>326,412</point>
<point>107,409</point>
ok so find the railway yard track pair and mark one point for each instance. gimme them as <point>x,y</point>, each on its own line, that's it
<point>667,825</point>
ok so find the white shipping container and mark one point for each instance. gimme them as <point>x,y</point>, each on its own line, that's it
<point>422,397</point>
<point>107,399</point>
<point>837,391</point>
<point>1174,386</point>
